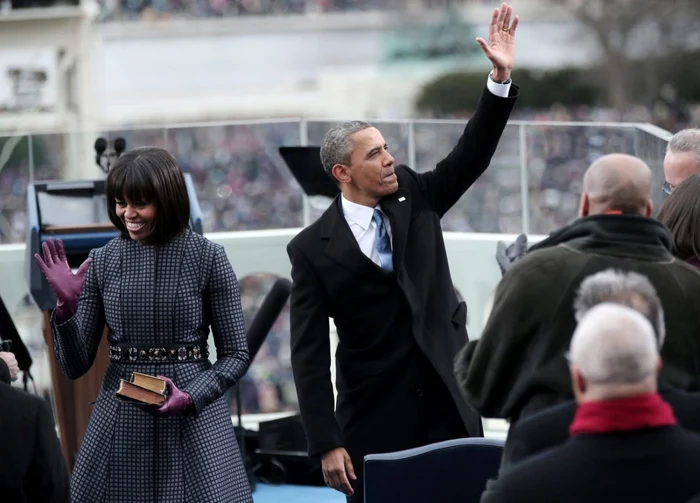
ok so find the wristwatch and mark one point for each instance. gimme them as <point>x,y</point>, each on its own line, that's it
<point>508,81</point>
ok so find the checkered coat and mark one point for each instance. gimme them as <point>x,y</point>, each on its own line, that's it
<point>154,295</point>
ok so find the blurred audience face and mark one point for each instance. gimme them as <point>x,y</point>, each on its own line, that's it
<point>370,174</point>
<point>677,167</point>
<point>613,354</point>
<point>682,158</point>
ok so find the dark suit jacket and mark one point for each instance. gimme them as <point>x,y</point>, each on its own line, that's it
<point>332,278</point>
<point>550,427</point>
<point>32,468</point>
<point>650,465</point>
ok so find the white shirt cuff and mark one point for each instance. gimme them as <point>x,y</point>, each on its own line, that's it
<point>500,90</point>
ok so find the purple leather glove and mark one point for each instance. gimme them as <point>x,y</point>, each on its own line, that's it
<point>65,285</point>
<point>177,402</point>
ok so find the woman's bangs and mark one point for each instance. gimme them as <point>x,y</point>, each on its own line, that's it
<point>132,183</point>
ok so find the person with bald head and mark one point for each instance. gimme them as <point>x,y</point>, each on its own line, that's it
<point>625,443</point>
<point>518,367</point>
<point>616,183</point>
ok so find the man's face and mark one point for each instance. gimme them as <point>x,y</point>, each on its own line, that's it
<point>370,174</point>
<point>677,167</point>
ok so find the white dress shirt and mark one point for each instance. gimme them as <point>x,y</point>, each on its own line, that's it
<point>359,217</point>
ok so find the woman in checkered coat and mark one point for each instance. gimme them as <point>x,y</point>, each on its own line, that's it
<point>159,288</point>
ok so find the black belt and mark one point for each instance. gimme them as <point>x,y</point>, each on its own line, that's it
<point>173,353</point>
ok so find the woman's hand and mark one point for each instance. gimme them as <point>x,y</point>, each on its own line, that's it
<point>177,402</point>
<point>65,285</point>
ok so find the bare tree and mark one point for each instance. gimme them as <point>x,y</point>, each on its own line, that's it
<point>624,29</point>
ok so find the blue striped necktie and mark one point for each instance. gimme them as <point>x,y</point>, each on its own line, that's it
<point>382,242</point>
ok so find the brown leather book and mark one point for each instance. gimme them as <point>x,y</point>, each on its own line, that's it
<point>153,383</point>
<point>142,389</point>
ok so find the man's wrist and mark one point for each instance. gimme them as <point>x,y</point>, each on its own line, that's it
<point>500,76</point>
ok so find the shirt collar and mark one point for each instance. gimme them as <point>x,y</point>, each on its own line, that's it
<point>361,215</point>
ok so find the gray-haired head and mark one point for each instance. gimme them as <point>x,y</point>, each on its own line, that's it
<point>682,158</point>
<point>629,289</point>
<point>337,146</point>
<point>614,347</point>
<point>686,140</point>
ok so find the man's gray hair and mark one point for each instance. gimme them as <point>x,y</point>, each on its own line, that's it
<point>336,147</point>
<point>629,289</point>
<point>614,345</point>
<point>686,140</point>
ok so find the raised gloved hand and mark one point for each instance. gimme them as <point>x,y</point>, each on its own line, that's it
<point>177,402</point>
<point>65,285</point>
<point>506,256</point>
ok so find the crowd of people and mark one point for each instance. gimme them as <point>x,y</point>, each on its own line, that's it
<point>149,10</point>
<point>234,167</point>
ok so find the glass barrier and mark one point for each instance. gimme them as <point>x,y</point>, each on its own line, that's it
<point>241,180</point>
<point>15,174</point>
<point>493,203</point>
<point>533,184</point>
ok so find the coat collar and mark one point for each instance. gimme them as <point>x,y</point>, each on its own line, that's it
<point>342,246</point>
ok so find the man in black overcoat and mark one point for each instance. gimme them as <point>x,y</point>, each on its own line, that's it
<point>375,262</point>
<point>32,467</point>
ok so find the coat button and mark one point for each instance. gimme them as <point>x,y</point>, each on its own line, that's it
<point>419,392</point>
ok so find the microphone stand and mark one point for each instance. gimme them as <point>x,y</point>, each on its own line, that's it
<point>247,463</point>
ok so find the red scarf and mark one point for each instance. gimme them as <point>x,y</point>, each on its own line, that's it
<point>622,414</point>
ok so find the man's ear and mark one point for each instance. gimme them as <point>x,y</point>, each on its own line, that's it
<point>341,173</point>
<point>585,206</point>
<point>649,209</point>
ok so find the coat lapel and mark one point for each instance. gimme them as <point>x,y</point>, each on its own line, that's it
<point>342,246</point>
<point>398,207</point>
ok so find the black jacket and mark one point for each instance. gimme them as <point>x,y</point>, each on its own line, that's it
<point>646,466</point>
<point>550,427</point>
<point>32,467</point>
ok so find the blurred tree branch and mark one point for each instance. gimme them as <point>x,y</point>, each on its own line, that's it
<point>627,28</point>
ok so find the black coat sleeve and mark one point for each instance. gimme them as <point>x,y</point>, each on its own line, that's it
<point>310,347</point>
<point>47,478</point>
<point>444,185</point>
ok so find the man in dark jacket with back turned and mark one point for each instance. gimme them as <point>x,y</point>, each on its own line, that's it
<point>518,366</point>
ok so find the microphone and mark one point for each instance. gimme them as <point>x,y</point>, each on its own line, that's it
<point>119,146</point>
<point>259,328</point>
<point>100,147</point>
<point>267,315</point>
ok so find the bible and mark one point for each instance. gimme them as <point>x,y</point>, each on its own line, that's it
<point>142,389</point>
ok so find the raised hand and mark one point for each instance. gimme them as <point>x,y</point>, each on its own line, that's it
<point>506,256</point>
<point>500,48</point>
<point>65,285</point>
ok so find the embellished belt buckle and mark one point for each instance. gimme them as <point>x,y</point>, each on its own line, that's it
<point>115,353</point>
<point>157,354</point>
